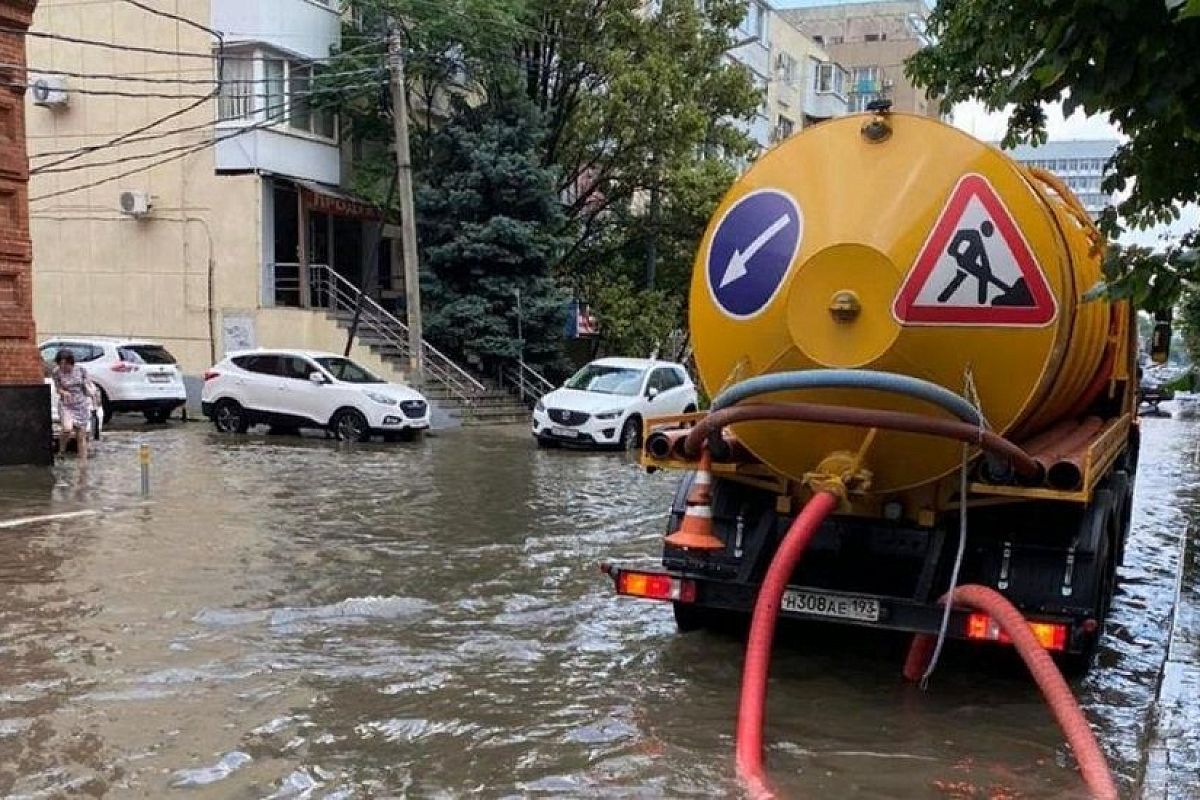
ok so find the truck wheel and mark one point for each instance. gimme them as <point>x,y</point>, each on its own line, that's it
<point>1077,664</point>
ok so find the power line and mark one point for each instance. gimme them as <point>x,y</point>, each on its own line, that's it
<point>111,92</point>
<point>83,151</point>
<point>146,167</point>
<point>280,108</point>
<point>176,17</point>
<point>76,151</point>
<point>109,76</point>
<point>150,50</point>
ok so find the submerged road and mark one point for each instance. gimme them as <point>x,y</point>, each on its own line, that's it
<point>289,618</point>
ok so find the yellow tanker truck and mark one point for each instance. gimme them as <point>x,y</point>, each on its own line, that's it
<point>889,309</point>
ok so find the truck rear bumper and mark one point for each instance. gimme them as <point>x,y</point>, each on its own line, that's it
<point>1061,634</point>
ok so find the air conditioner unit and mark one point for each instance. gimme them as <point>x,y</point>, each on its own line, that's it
<point>135,203</point>
<point>49,91</point>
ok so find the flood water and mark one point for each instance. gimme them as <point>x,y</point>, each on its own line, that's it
<point>289,618</point>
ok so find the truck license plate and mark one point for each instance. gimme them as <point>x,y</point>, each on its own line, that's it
<point>837,606</point>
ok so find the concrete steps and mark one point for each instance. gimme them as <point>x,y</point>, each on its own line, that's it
<point>493,406</point>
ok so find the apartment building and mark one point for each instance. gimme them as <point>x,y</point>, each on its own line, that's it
<point>871,40</point>
<point>161,211</point>
<point>1079,162</point>
<point>805,85</point>
<point>799,82</point>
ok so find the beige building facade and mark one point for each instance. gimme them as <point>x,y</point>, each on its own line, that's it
<point>161,211</point>
<point>805,86</point>
<point>871,40</point>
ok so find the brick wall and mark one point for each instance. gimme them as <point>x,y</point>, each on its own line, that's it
<point>19,361</point>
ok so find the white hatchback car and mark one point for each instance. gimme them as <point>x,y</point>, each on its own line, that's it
<point>131,374</point>
<point>292,389</point>
<point>608,402</point>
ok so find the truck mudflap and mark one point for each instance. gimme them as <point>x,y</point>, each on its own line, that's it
<point>1057,634</point>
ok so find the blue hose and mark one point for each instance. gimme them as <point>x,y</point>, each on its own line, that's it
<point>889,382</point>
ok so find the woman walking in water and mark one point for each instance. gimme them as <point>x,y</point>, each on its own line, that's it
<point>75,407</point>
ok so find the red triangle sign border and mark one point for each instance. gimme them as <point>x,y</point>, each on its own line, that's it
<point>1041,313</point>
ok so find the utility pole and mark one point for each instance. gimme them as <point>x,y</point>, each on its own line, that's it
<point>408,220</point>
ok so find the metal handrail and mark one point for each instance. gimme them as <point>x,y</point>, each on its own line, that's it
<point>342,295</point>
<point>527,381</point>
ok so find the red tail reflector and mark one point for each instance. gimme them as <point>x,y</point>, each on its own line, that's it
<point>209,374</point>
<point>1050,635</point>
<point>124,366</point>
<point>655,586</point>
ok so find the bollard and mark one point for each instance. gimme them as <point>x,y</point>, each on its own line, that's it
<point>144,461</point>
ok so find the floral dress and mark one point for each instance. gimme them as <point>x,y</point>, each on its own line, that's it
<point>78,402</point>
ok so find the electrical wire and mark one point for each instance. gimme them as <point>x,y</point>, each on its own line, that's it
<point>149,50</point>
<point>185,81</point>
<point>194,149</point>
<point>280,108</point>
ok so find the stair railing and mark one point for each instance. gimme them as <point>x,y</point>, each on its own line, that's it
<point>330,290</point>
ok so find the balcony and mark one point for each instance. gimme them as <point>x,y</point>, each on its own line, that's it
<point>306,28</point>
<point>280,153</point>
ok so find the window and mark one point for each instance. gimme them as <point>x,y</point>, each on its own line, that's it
<point>830,78</point>
<point>787,68</point>
<point>296,368</point>
<point>347,371</point>
<point>754,23</point>
<point>82,352</point>
<point>819,39</point>
<point>663,380</point>
<point>262,365</point>
<point>236,99</point>
<point>606,380</point>
<point>284,96</point>
<point>784,128</point>
<point>865,79</point>
<point>145,354</point>
<point>871,37</point>
<point>276,90</point>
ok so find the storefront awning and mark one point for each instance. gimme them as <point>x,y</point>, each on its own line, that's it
<point>330,200</point>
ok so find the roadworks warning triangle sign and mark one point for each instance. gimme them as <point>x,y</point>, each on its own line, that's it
<point>975,268</point>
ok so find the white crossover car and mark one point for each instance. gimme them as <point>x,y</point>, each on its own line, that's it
<point>132,374</point>
<point>293,389</point>
<point>608,402</point>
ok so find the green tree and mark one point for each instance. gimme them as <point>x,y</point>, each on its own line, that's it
<point>488,218</point>
<point>1134,61</point>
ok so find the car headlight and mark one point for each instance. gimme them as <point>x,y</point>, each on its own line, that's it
<point>539,406</point>
<point>382,399</point>
<point>610,414</point>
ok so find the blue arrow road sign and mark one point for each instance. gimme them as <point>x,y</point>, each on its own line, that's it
<point>751,250</point>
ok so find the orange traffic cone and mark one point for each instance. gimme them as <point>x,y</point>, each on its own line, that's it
<point>696,531</point>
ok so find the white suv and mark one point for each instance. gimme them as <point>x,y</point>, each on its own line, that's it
<point>292,389</point>
<point>131,374</point>
<point>608,402</point>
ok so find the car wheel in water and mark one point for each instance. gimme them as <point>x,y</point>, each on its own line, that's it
<point>95,426</point>
<point>631,434</point>
<point>230,417</point>
<point>691,409</point>
<point>350,425</point>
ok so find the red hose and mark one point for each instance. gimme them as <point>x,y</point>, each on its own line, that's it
<point>752,705</point>
<point>1092,763</point>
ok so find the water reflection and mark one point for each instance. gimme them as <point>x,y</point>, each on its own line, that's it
<point>289,617</point>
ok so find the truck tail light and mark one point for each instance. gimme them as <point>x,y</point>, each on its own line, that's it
<point>209,374</point>
<point>655,586</point>
<point>124,366</point>
<point>1050,635</point>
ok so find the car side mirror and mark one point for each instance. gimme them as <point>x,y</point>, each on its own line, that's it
<point>317,378</point>
<point>652,393</point>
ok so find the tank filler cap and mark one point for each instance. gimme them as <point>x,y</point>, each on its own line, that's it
<point>878,129</point>
<point>845,306</point>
